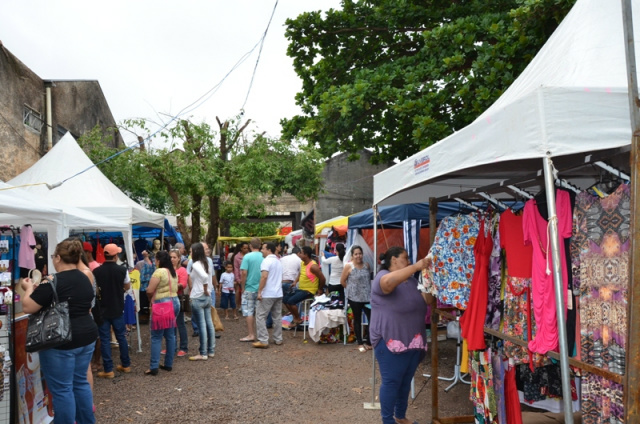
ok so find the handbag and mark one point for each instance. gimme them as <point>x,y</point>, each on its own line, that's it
<point>162,314</point>
<point>217,323</point>
<point>50,327</point>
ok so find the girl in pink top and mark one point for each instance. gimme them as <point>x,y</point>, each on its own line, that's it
<point>536,234</point>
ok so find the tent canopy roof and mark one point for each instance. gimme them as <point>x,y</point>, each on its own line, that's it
<point>90,191</point>
<point>572,98</point>
<point>339,220</point>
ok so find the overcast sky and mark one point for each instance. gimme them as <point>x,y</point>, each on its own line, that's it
<point>154,58</point>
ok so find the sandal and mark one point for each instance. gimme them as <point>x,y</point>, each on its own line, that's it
<point>362,349</point>
<point>151,372</point>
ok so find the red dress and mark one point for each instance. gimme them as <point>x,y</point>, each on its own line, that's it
<point>472,322</point>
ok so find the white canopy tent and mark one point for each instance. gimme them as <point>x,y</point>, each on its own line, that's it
<point>91,190</point>
<point>18,207</point>
<point>572,98</point>
<point>570,104</point>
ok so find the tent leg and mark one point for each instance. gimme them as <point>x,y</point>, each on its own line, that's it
<point>557,280</point>
<point>373,404</point>
<point>136,294</point>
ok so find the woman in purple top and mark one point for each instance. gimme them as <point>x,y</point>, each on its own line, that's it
<point>398,313</point>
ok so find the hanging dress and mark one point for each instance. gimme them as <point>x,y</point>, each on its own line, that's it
<point>536,233</point>
<point>472,321</point>
<point>603,249</point>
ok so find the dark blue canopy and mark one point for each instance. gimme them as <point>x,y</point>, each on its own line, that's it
<point>394,216</point>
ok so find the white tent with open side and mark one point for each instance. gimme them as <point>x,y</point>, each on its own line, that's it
<point>91,190</point>
<point>572,98</point>
<point>569,108</point>
<point>19,207</point>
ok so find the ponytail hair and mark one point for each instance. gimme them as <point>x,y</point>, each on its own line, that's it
<point>341,251</point>
<point>393,252</point>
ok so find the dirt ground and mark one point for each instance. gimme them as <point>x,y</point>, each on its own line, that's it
<point>297,382</point>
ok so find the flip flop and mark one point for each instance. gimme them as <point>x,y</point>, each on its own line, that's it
<point>247,340</point>
<point>362,349</point>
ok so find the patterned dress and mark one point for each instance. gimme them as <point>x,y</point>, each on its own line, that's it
<point>454,259</point>
<point>602,230</point>
<point>495,305</point>
<point>482,394</point>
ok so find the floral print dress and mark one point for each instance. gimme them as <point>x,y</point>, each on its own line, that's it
<point>454,259</point>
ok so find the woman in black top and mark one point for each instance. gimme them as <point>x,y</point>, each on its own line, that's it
<point>65,367</point>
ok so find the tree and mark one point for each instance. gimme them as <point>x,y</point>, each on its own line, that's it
<point>396,76</point>
<point>214,175</point>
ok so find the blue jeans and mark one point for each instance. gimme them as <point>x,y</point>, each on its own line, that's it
<point>105,342</point>
<point>396,371</point>
<point>65,372</point>
<point>182,331</point>
<point>201,313</point>
<point>169,335</point>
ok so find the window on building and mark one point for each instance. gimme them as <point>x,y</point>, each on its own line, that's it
<point>32,119</point>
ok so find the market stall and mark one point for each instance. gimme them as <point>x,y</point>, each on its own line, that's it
<point>81,184</point>
<point>22,211</point>
<point>565,121</point>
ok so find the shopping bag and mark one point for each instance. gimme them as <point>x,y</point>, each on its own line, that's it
<point>217,324</point>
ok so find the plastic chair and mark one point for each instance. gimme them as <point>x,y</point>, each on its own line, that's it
<point>303,309</point>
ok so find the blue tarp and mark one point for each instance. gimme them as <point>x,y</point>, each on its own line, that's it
<point>139,231</point>
<point>395,216</point>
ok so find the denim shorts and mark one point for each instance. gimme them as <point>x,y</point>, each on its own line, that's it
<point>249,300</point>
<point>296,296</point>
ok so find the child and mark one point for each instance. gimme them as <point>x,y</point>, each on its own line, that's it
<point>228,298</point>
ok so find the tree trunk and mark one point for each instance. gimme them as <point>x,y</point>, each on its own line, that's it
<point>196,213</point>
<point>182,228</point>
<point>214,220</point>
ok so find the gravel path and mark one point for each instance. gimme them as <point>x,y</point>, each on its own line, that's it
<point>293,383</point>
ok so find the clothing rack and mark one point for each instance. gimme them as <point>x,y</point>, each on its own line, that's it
<point>13,392</point>
<point>562,356</point>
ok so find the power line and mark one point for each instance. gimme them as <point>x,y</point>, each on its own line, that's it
<point>259,53</point>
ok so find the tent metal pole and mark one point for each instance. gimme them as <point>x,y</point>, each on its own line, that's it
<point>433,226</point>
<point>632,374</point>
<point>557,280</point>
<point>373,404</point>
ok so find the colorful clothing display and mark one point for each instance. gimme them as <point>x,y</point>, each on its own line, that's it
<point>454,259</point>
<point>603,257</point>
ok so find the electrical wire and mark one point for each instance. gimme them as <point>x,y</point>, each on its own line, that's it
<point>255,68</point>
<point>188,109</point>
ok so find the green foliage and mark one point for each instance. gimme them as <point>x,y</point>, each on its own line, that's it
<point>397,76</point>
<point>254,229</point>
<point>194,170</point>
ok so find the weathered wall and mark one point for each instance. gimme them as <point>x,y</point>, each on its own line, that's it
<point>20,146</point>
<point>348,186</point>
<point>77,106</point>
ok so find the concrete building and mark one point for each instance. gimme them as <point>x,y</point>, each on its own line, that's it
<point>348,186</point>
<point>35,113</point>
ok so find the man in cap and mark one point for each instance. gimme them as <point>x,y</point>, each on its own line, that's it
<point>113,281</point>
<point>88,250</point>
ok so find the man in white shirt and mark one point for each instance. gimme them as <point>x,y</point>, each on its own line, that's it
<point>269,297</point>
<point>290,269</point>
